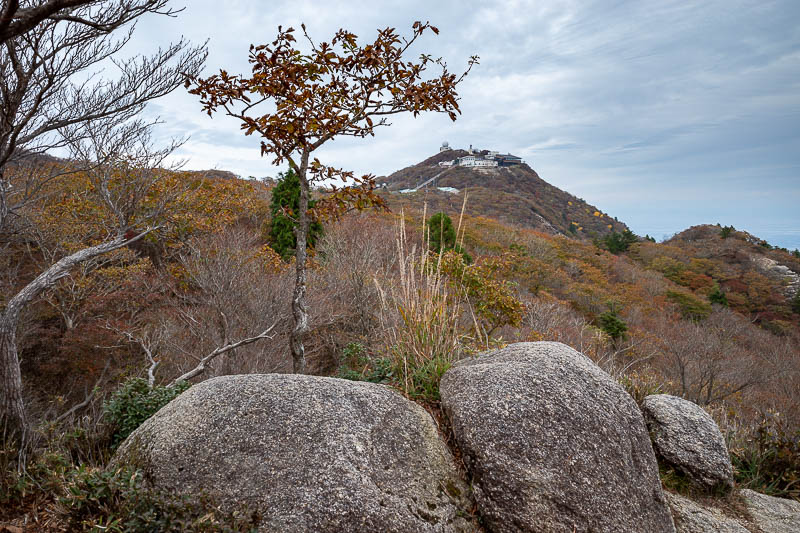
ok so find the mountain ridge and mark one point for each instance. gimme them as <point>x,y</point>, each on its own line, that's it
<point>514,194</point>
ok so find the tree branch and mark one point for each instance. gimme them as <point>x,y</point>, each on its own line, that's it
<point>201,366</point>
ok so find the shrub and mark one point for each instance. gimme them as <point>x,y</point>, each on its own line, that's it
<point>358,366</point>
<point>726,231</point>
<point>103,500</point>
<point>441,236</point>
<point>133,403</point>
<point>796,302</point>
<point>769,461</point>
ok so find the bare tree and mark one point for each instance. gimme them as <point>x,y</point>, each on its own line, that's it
<point>49,83</point>
<point>124,172</point>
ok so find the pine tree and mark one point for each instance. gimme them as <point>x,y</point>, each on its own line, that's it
<point>284,206</point>
<point>441,234</point>
<point>612,324</point>
<point>716,296</point>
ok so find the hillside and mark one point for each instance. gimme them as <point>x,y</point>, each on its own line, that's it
<point>514,194</point>
<point>756,279</point>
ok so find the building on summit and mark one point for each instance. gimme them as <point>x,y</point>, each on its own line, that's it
<point>475,159</point>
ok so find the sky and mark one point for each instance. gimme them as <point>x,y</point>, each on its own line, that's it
<point>663,114</point>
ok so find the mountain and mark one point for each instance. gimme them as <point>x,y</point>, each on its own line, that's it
<point>512,194</point>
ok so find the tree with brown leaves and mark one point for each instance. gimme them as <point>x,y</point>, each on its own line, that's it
<point>297,101</point>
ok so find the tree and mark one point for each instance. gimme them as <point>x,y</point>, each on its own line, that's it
<point>336,89</point>
<point>16,20</point>
<point>716,296</point>
<point>52,97</point>
<point>440,233</point>
<point>796,302</point>
<point>612,324</point>
<point>617,243</point>
<point>50,86</point>
<point>285,204</point>
<point>726,231</point>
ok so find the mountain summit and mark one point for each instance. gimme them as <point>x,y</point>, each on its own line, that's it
<point>500,186</point>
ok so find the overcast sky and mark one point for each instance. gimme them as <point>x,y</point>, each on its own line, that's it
<point>663,114</point>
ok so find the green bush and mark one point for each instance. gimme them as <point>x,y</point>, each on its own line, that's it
<point>726,231</point>
<point>442,236</point>
<point>117,501</point>
<point>617,243</point>
<point>133,403</point>
<point>358,366</point>
<point>796,302</point>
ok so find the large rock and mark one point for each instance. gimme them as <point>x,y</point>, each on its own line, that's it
<point>553,444</point>
<point>307,453</point>
<point>687,438</point>
<point>773,515</point>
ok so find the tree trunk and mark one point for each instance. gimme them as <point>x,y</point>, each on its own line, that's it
<point>12,411</point>
<point>299,308</point>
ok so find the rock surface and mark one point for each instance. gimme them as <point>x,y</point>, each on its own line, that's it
<point>765,514</point>
<point>773,515</point>
<point>692,517</point>
<point>553,444</point>
<point>308,453</point>
<point>687,438</point>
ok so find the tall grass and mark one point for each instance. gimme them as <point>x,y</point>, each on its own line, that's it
<point>421,315</point>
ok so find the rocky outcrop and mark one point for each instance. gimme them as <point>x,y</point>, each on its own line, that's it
<point>306,453</point>
<point>758,513</point>
<point>687,438</point>
<point>773,515</point>
<point>553,444</point>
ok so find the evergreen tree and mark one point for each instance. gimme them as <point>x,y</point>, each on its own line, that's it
<point>442,236</point>
<point>617,243</point>
<point>283,208</point>
<point>716,296</point>
<point>726,231</point>
<point>611,323</point>
<point>796,302</point>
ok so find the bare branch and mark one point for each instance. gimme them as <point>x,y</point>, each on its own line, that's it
<point>201,366</point>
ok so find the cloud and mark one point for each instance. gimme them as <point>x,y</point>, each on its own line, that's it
<point>690,105</point>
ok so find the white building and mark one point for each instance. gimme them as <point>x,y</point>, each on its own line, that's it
<point>445,147</point>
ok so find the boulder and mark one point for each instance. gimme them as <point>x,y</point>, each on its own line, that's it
<point>693,517</point>
<point>553,444</point>
<point>306,453</point>
<point>686,437</point>
<point>773,515</point>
